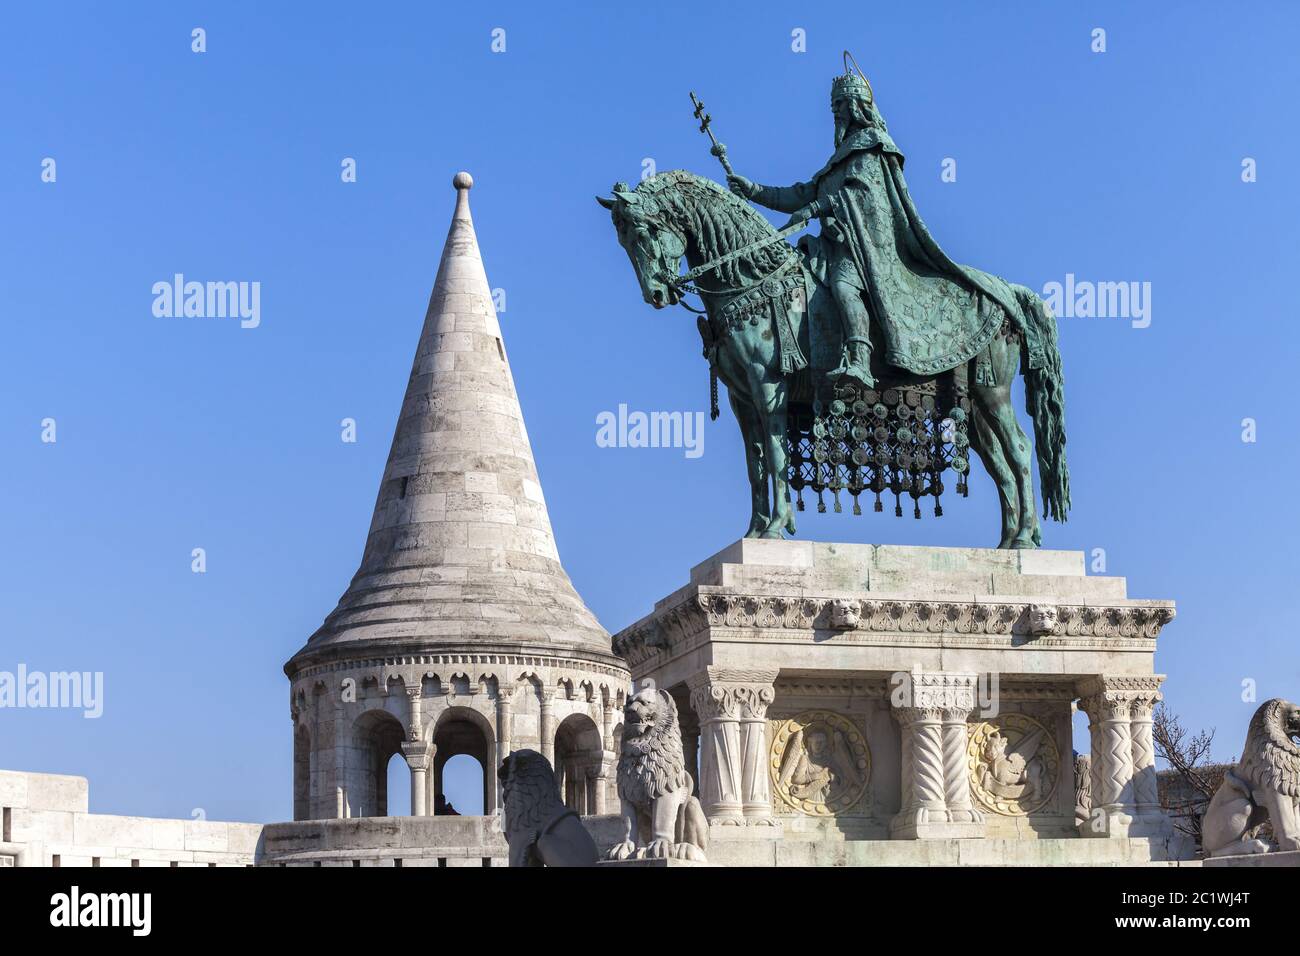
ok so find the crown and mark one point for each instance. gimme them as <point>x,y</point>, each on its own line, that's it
<point>852,83</point>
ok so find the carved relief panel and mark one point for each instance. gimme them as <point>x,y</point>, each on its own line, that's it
<point>1014,764</point>
<point>819,762</point>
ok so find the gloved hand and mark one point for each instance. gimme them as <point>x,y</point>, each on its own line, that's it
<point>799,219</point>
<point>745,188</point>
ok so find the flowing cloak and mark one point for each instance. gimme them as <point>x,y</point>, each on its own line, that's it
<point>934,314</point>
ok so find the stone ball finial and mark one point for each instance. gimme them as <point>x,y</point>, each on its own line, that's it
<point>463,180</point>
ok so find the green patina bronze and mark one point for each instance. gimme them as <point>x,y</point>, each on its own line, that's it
<point>863,360</point>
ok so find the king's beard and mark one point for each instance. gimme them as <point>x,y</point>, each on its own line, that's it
<point>846,128</point>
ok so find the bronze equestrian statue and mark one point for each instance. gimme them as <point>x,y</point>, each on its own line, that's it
<point>862,360</point>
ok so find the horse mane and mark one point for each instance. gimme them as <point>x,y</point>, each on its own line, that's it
<point>718,222</point>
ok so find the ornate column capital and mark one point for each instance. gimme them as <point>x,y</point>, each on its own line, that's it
<point>418,754</point>
<point>732,694</point>
<point>933,695</point>
<point>1108,697</point>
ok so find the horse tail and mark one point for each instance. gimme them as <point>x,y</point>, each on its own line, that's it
<point>1045,398</point>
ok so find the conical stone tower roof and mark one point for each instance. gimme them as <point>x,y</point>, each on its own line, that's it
<point>460,552</point>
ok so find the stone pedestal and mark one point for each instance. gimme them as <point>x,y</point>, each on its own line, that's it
<point>880,692</point>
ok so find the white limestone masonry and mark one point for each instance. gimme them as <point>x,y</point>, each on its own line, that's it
<point>461,632</point>
<point>48,822</point>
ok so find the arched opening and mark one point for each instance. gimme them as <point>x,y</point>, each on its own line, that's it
<point>463,732</point>
<point>301,774</point>
<point>398,787</point>
<point>578,756</point>
<point>462,787</point>
<point>376,736</point>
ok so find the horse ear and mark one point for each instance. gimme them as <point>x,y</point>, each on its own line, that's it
<point>607,203</point>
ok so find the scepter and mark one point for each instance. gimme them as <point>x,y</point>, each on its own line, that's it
<point>719,149</point>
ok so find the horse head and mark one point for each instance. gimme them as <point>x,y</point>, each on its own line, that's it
<point>653,243</point>
<point>677,214</point>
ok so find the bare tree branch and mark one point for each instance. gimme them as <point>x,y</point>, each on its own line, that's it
<point>1189,759</point>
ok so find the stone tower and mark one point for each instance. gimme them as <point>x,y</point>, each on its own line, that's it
<point>460,633</point>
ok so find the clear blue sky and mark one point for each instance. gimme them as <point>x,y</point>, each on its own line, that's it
<point>182,433</point>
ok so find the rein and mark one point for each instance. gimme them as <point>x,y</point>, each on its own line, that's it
<point>712,264</point>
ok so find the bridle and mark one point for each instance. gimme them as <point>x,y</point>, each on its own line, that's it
<point>682,284</point>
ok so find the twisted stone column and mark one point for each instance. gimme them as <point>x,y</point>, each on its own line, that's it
<point>956,772</point>
<point>732,710</point>
<point>1146,798</point>
<point>936,801</point>
<point>1124,797</point>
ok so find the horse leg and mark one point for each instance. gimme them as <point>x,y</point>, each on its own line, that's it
<point>773,413</point>
<point>752,436</point>
<point>1004,360</point>
<point>986,446</point>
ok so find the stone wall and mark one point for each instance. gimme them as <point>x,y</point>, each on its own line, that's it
<point>402,841</point>
<point>47,822</point>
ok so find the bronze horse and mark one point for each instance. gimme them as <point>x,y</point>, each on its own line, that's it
<point>678,214</point>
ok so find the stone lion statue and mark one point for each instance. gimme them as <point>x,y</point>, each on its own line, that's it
<point>661,820</point>
<point>1264,785</point>
<point>540,829</point>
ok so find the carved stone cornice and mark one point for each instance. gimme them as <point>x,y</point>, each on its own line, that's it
<point>822,688</point>
<point>1026,692</point>
<point>505,668</point>
<point>706,609</point>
